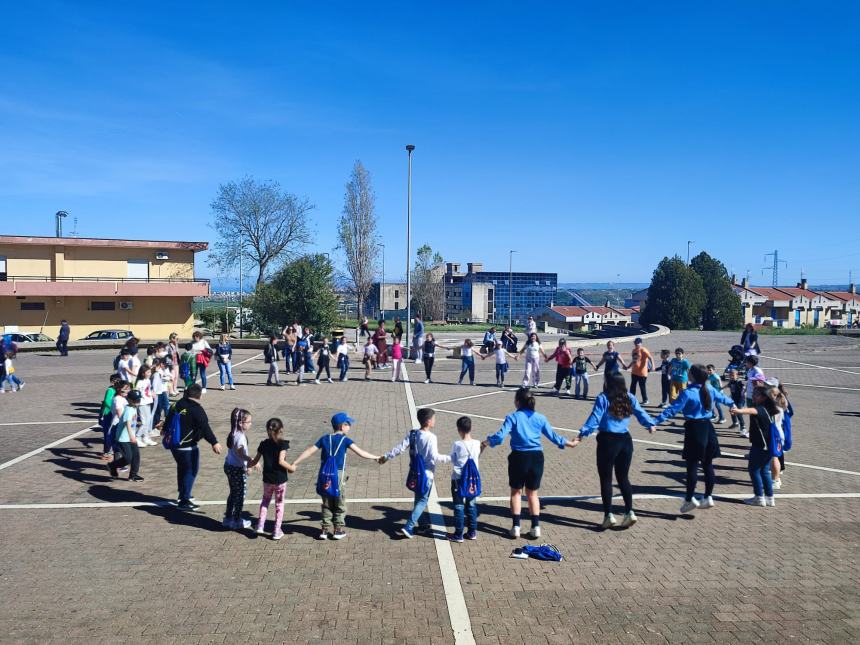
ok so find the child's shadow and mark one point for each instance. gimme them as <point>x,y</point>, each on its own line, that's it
<point>353,523</point>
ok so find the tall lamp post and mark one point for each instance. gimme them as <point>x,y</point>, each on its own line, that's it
<point>409,149</point>
<point>689,243</point>
<point>241,314</point>
<point>511,289</point>
<point>382,286</point>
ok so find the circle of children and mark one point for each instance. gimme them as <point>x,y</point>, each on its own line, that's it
<point>139,396</point>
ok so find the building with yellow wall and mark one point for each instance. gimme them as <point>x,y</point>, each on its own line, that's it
<point>143,286</point>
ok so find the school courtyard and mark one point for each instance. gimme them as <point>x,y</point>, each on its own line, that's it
<point>87,559</point>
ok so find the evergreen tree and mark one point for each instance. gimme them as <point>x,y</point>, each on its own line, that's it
<point>302,290</point>
<point>676,296</point>
<point>722,305</point>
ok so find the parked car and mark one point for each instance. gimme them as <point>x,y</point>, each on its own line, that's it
<point>29,338</point>
<point>109,334</point>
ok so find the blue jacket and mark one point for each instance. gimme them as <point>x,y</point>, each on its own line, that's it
<point>689,402</point>
<point>600,419</point>
<point>525,428</point>
<point>419,328</point>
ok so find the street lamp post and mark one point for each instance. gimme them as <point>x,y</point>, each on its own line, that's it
<point>382,286</point>
<point>241,313</point>
<point>409,149</point>
<point>511,288</point>
<point>689,243</point>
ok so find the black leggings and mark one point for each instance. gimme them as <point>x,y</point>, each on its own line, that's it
<point>614,451</point>
<point>561,373</point>
<point>129,456</point>
<point>641,381</point>
<point>693,476</point>
<point>323,366</point>
<point>428,366</point>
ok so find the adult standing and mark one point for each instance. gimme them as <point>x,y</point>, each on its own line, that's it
<point>700,439</point>
<point>202,355</point>
<point>525,463</point>
<point>418,338</point>
<point>381,346</point>
<point>509,340</point>
<point>531,326</point>
<point>611,360</point>
<point>290,339</point>
<point>531,370</point>
<point>364,327</point>
<point>193,426</point>
<point>611,416</point>
<point>640,365</point>
<point>564,359</point>
<point>749,340</point>
<point>398,330</point>
<point>63,338</point>
<point>489,342</point>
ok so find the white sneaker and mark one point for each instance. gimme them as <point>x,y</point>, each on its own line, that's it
<point>628,520</point>
<point>260,530</point>
<point>707,502</point>
<point>744,434</point>
<point>232,387</point>
<point>514,532</point>
<point>567,392</point>
<point>222,388</point>
<point>755,501</point>
<point>203,391</point>
<point>242,524</point>
<point>142,443</point>
<point>719,421</point>
<point>777,484</point>
<point>770,501</point>
<point>150,442</point>
<point>426,380</point>
<point>317,381</point>
<point>609,522</point>
<point>330,381</point>
<point>534,534</point>
<point>689,506</point>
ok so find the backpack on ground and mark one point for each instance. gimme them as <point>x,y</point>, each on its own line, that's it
<point>328,480</point>
<point>470,480</point>
<point>546,552</point>
<point>416,478</point>
<point>172,432</point>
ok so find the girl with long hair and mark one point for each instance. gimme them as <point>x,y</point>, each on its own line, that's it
<point>611,417</point>
<point>236,468</point>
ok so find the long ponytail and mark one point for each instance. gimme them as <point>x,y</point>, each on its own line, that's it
<point>699,374</point>
<point>237,418</point>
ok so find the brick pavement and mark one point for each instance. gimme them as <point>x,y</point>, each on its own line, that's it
<point>732,574</point>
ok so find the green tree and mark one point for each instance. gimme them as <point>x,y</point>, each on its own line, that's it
<point>302,290</point>
<point>676,296</point>
<point>428,288</point>
<point>722,305</point>
<point>207,317</point>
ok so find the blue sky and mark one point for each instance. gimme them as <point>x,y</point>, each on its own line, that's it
<point>593,138</point>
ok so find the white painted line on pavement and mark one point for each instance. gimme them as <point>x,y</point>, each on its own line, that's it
<point>458,613</point>
<point>40,423</point>
<point>507,390</point>
<point>408,500</point>
<point>825,387</point>
<point>821,367</point>
<point>675,446</point>
<point>53,444</point>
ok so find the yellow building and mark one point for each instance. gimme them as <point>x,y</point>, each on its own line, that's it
<point>143,286</point>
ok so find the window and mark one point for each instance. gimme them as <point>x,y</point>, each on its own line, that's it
<point>32,306</point>
<point>396,305</point>
<point>396,294</point>
<point>102,305</point>
<point>2,268</point>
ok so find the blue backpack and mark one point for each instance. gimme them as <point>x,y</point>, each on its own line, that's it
<point>786,427</point>
<point>543,552</point>
<point>328,484</point>
<point>470,480</point>
<point>776,440</point>
<point>416,478</point>
<point>172,432</point>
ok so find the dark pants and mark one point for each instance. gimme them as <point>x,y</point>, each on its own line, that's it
<point>130,456</point>
<point>323,365</point>
<point>62,347</point>
<point>187,465</point>
<point>343,363</point>
<point>640,380</point>
<point>428,366</point>
<point>561,373</point>
<point>465,510</point>
<point>693,476</point>
<point>290,359</point>
<point>664,382</point>
<point>614,452</point>
<point>759,469</point>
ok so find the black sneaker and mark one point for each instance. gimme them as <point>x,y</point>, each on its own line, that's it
<point>136,478</point>
<point>188,506</point>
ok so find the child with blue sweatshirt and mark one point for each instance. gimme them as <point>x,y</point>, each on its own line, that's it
<point>426,445</point>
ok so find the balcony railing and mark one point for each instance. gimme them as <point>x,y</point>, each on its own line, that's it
<point>41,278</point>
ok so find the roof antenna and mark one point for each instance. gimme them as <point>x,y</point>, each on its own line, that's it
<point>60,215</point>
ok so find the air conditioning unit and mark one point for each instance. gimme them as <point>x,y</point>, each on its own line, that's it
<point>126,305</point>
<point>161,255</point>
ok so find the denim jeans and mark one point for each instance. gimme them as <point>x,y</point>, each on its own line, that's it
<point>462,507</point>
<point>201,372</point>
<point>719,410</point>
<point>187,465</point>
<point>759,469</point>
<point>418,513</point>
<point>225,370</point>
<point>162,405</point>
<point>580,379</point>
<point>343,363</point>
<point>467,365</point>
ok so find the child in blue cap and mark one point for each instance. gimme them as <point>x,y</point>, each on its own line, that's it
<point>335,445</point>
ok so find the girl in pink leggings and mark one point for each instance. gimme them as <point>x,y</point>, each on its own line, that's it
<point>273,452</point>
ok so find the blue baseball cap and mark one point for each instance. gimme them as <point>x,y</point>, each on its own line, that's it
<point>638,341</point>
<point>341,418</point>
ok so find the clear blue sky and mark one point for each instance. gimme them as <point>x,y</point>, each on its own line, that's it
<point>594,138</point>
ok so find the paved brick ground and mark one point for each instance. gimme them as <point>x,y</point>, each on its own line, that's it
<point>732,574</point>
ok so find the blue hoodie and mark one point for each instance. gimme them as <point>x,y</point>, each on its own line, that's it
<point>601,419</point>
<point>526,428</point>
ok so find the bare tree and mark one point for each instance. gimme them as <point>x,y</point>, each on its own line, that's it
<point>267,225</point>
<point>359,239</point>
<point>428,284</point>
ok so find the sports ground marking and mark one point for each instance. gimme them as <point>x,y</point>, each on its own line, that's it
<point>74,435</point>
<point>825,387</point>
<point>408,500</point>
<point>475,396</point>
<point>821,367</point>
<point>674,446</point>
<point>458,613</point>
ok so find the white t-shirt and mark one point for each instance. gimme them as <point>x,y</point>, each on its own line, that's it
<point>128,368</point>
<point>158,386</point>
<point>370,350</point>
<point>466,351</point>
<point>200,345</point>
<point>533,351</point>
<point>501,359</point>
<point>144,386</point>
<point>240,439</point>
<point>460,453</point>
<point>343,349</point>
<point>117,407</point>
